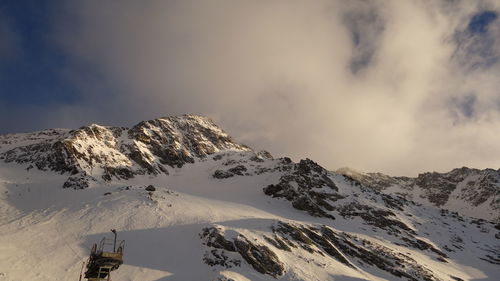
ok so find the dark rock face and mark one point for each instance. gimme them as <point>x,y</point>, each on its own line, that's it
<point>279,243</point>
<point>213,237</point>
<point>46,155</point>
<point>438,185</point>
<point>316,243</point>
<point>393,202</point>
<point>217,257</point>
<point>219,174</point>
<point>246,163</point>
<point>348,249</point>
<point>78,181</point>
<point>179,140</point>
<point>476,186</point>
<point>120,172</point>
<point>351,250</point>
<point>260,257</point>
<point>486,186</point>
<point>422,245</point>
<point>384,219</point>
<point>376,181</point>
<point>239,170</point>
<point>147,148</point>
<point>308,186</point>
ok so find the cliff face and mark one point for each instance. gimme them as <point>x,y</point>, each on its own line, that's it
<point>97,152</point>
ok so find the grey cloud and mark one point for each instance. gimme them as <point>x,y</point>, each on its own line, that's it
<point>286,76</point>
<point>366,25</point>
<point>463,107</point>
<point>478,49</point>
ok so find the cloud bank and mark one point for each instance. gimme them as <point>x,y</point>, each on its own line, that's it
<point>394,86</point>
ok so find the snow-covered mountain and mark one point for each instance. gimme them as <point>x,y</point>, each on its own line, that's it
<point>470,192</point>
<point>193,204</point>
<point>96,152</point>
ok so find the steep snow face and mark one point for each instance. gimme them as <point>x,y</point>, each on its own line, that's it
<point>192,204</point>
<point>471,192</point>
<point>97,152</point>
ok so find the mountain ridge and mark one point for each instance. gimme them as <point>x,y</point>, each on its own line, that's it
<point>95,152</point>
<point>463,190</point>
<point>101,152</point>
<point>217,210</point>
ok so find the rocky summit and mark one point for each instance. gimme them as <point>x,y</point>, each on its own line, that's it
<point>194,204</point>
<point>99,152</point>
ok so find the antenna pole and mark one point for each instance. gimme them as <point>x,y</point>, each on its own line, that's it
<point>114,244</point>
<point>81,271</point>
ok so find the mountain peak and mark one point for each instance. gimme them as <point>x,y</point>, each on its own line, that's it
<point>95,151</point>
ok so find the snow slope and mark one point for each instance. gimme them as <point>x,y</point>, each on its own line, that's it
<point>227,214</point>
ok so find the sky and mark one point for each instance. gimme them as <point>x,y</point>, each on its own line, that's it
<point>399,87</point>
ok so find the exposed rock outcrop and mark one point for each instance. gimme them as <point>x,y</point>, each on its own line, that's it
<point>308,186</point>
<point>102,153</point>
<point>326,242</point>
<point>472,187</point>
<point>352,251</point>
<point>259,256</point>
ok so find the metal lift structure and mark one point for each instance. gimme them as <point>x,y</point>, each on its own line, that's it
<point>102,260</point>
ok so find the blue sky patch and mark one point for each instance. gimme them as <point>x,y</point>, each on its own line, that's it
<point>36,73</point>
<point>480,21</point>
